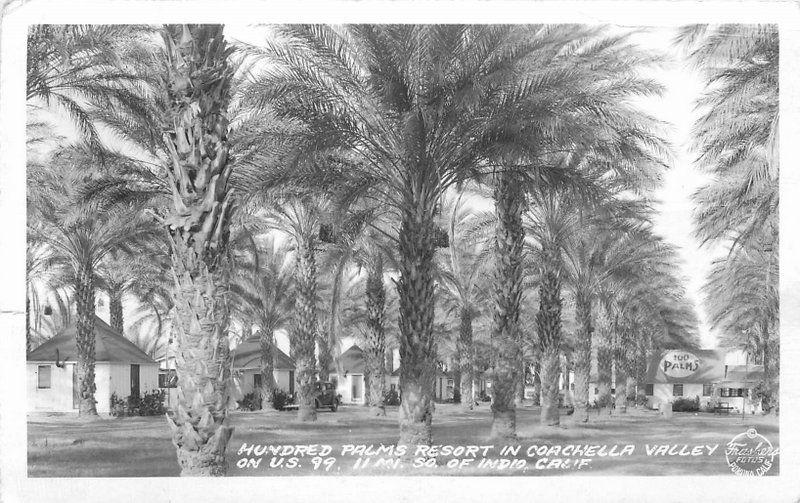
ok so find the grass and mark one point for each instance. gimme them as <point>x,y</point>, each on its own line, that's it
<point>65,446</point>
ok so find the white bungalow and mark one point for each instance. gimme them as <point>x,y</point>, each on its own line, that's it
<point>120,368</point>
<point>247,367</point>
<point>705,374</point>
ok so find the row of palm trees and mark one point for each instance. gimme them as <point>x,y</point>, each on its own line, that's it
<point>356,148</point>
<point>737,143</point>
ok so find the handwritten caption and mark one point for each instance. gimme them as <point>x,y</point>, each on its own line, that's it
<point>350,458</point>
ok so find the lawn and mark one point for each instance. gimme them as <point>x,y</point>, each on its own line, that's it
<point>63,446</point>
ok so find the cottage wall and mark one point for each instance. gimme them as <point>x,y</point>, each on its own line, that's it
<point>57,398</point>
<point>246,380</point>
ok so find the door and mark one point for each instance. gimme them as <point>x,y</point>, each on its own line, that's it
<point>134,379</point>
<point>357,387</point>
<point>75,387</point>
<point>291,382</point>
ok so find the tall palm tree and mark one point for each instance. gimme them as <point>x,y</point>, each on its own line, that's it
<point>738,144</point>
<point>82,234</point>
<point>195,80</point>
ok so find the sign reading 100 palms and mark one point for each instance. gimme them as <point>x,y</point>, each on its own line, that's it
<point>679,364</point>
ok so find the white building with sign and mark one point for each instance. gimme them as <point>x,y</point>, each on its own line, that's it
<point>708,375</point>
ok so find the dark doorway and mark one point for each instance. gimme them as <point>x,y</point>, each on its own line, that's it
<point>291,382</point>
<point>134,379</point>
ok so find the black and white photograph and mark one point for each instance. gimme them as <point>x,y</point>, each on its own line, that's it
<point>375,251</point>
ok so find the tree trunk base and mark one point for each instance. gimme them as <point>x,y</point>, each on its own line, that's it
<point>581,414</point>
<point>550,415</point>
<point>306,414</point>
<point>504,425</point>
<point>209,460</point>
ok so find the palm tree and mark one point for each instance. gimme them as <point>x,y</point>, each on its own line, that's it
<point>738,144</point>
<point>460,274</point>
<point>82,234</point>
<point>83,69</point>
<point>263,284</point>
<point>195,80</point>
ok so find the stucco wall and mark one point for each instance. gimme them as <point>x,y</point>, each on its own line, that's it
<point>246,379</point>
<point>57,398</point>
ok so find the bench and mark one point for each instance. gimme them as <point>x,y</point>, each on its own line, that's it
<point>722,406</point>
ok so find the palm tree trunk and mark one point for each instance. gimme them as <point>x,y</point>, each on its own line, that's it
<point>509,202</point>
<point>85,340</point>
<point>376,341</point>
<point>27,323</point>
<point>266,339</point>
<point>548,325</point>
<point>620,381</point>
<point>115,308</point>
<point>416,298</point>
<point>537,382</point>
<point>305,328</point>
<point>467,357</point>
<point>325,354</point>
<point>550,369</point>
<point>605,360</point>
<point>196,88</point>
<point>583,355</point>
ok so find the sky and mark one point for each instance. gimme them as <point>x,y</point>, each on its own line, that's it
<point>674,219</point>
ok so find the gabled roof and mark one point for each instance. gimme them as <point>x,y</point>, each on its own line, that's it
<point>109,346</point>
<point>248,355</point>
<point>685,366</point>
<point>351,361</point>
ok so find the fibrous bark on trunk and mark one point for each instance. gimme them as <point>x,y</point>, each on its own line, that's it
<point>509,202</point>
<point>550,369</point>
<point>376,340</point>
<point>116,320</point>
<point>466,353</point>
<point>583,355</point>
<point>548,326</point>
<point>605,359</point>
<point>305,328</point>
<point>195,85</point>
<point>85,339</point>
<point>266,340</point>
<point>415,290</point>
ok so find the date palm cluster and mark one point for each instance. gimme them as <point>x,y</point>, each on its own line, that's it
<point>475,197</point>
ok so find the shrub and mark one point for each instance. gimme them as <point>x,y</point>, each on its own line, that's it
<point>251,401</point>
<point>686,405</point>
<point>280,399</point>
<point>391,397</point>
<point>151,403</point>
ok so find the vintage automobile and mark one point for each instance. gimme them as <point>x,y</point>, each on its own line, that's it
<point>326,397</point>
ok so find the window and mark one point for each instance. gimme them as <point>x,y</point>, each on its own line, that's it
<point>648,390</point>
<point>256,380</point>
<point>44,376</point>
<point>677,390</point>
<point>168,379</point>
<point>613,390</point>
<point>572,386</point>
<point>596,391</point>
<point>392,387</point>
<point>707,390</point>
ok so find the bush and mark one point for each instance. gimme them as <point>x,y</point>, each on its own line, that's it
<point>251,401</point>
<point>149,404</point>
<point>391,397</point>
<point>280,399</point>
<point>686,405</point>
